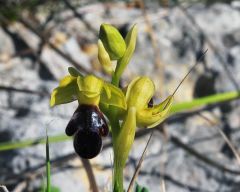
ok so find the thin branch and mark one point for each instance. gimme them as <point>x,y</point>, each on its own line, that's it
<point>27,91</point>
<point>211,45</point>
<point>163,188</point>
<point>158,64</point>
<point>139,164</point>
<point>91,178</point>
<point>61,53</point>
<point>191,69</point>
<point>3,188</point>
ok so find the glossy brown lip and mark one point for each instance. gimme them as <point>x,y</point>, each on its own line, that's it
<point>87,144</point>
<point>88,125</point>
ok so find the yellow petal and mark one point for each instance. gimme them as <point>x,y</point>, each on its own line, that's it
<point>139,92</point>
<point>83,98</point>
<point>90,85</point>
<point>112,95</point>
<point>66,92</point>
<point>151,117</point>
<point>90,88</point>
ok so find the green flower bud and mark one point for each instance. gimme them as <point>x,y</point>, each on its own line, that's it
<point>104,58</point>
<point>112,41</point>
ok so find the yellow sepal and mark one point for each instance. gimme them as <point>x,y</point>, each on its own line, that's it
<point>151,117</point>
<point>114,96</point>
<point>66,92</point>
<point>139,92</point>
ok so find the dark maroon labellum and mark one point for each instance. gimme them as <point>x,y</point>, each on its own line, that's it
<point>87,125</point>
<point>87,144</point>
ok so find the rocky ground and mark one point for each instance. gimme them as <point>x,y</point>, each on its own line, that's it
<point>169,45</point>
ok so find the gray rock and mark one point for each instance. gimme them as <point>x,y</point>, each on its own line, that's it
<point>24,116</point>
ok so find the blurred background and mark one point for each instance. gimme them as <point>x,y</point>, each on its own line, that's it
<point>39,40</point>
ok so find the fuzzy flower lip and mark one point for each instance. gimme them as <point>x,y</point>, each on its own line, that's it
<point>89,89</point>
<point>139,93</point>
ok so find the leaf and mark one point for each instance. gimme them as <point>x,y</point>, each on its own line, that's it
<point>124,140</point>
<point>53,188</point>
<point>48,165</point>
<point>199,102</point>
<point>140,188</point>
<point>74,72</point>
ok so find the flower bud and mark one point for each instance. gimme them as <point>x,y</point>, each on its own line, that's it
<point>112,41</point>
<point>104,58</point>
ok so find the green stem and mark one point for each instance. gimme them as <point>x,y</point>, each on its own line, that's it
<point>115,79</point>
<point>118,178</point>
<point>118,170</point>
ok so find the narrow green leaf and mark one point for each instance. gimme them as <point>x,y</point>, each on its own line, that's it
<point>11,145</point>
<point>74,72</point>
<point>200,102</point>
<point>53,188</point>
<point>140,188</point>
<point>48,165</point>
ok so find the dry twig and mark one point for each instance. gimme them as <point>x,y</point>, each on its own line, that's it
<point>139,164</point>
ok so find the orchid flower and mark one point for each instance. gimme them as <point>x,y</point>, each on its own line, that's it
<point>99,99</point>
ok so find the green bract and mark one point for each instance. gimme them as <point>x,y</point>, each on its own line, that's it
<point>130,40</point>
<point>112,41</point>
<point>138,95</point>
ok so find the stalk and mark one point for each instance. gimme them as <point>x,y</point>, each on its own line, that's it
<point>118,170</point>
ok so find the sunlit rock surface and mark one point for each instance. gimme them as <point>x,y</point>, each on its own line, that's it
<point>180,36</point>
